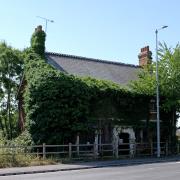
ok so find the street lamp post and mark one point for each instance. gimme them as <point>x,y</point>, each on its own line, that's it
<point>157,94</point>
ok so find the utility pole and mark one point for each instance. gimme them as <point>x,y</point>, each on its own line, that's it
<point>46,21</point>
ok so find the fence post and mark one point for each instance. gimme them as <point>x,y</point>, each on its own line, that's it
<point>177,148</point>
<point>166,148</point>
<point>116,148</point>
<point>13,152</point>
<point>44,150</point>
<point>37,154</point>
<point>151,144</point>
<point>77,143</point>
<point>95,150</point>
<point>25,150</point>
<point>70,150</point>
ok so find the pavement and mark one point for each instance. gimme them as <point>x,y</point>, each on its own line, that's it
<point>84,165</point>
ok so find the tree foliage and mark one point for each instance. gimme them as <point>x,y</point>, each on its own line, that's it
<point>169,75</point>
<point>10,73</point>
<point>169,87</point>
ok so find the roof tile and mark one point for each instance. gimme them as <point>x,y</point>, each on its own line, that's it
<point>117,72</point>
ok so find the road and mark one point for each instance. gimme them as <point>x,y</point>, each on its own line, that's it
<point>158,171</point>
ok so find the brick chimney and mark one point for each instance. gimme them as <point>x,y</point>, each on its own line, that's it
<point>38,29</point>
<point>145,56</point>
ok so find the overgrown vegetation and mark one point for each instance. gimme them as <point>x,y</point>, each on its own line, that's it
<point>59,105</point>
<point>38,41</point>
<point>13,152</point>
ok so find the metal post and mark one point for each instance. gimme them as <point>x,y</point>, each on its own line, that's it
<point>46,26</point>
<point>157,98</point>
<point>157,95</point>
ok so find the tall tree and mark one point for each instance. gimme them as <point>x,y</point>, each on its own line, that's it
<point>169,75</point>
<point>169,84</point>
<point>10,73</point>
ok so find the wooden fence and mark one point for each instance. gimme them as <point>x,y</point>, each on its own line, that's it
<point>73,151</point>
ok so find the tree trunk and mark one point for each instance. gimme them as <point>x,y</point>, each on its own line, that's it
<point>9,113</point>
<point>2,127</point>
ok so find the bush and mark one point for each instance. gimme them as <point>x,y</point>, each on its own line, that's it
<point>20,160</point>
<point>13,157</point>
<point>13,152</point>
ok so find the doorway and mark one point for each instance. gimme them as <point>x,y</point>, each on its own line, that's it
<point>123,144</point>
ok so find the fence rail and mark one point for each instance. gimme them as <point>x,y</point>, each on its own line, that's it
<point>74,151</point>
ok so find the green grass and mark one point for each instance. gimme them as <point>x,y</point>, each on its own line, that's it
<point>20,160</point>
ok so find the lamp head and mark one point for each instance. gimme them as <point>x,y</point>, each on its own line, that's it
<point>164,27</point>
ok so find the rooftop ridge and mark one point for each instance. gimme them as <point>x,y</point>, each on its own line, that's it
<point>91,59</point>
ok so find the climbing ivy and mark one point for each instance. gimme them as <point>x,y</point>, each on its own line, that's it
<point>38,41</point>
<point>59,105</point>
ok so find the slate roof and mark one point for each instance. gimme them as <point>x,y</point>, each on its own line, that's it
<point>100,69</point>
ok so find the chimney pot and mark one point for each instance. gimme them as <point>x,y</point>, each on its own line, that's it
<point>38,29</point>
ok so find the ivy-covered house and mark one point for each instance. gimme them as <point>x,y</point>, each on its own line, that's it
<point>62,96</point>
<point>116,72</point>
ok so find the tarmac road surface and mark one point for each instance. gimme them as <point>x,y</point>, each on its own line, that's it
<point>156,171</point>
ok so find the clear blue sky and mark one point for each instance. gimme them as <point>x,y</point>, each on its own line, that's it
<point>105,29</point>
